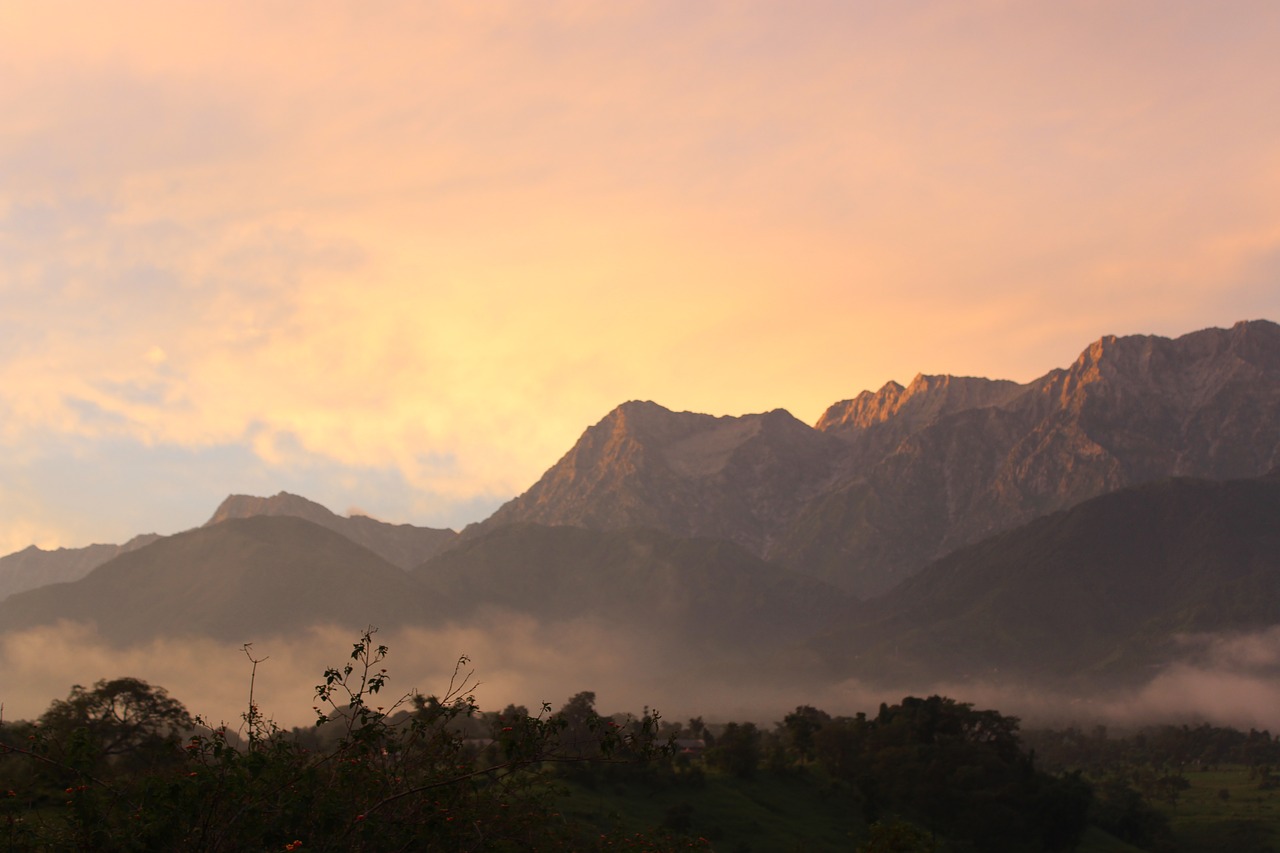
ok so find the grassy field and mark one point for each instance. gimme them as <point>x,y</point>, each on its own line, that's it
<point>789,812</point>
<point>804,811</point>
<point>1225,810</point>
<point>785,813</point>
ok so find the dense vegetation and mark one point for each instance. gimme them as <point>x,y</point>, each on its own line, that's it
<point>123,766</point>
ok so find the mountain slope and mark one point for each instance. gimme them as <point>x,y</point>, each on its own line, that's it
<point>1098,593</point>
<point>33,567</point>
<point>237,580</point>
<point>711,591</point>
<point>403,545</point>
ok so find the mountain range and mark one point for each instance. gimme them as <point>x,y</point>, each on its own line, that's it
<point>1068,529</point>
<point>888,481</point>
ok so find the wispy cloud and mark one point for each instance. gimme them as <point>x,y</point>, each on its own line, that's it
<point>383,237</point>
<point>516,659</point>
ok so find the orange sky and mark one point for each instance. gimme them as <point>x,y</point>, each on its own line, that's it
<point>399,256</point>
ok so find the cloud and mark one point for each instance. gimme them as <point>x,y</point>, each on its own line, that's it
<point>1224,678</point>
<point>516,659</point>
<point>458,232</point>
<point>513,658</point>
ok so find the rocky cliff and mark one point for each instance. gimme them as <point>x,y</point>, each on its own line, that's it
<point>888,481</point>
<point>740,479</point>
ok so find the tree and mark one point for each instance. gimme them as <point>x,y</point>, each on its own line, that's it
<point>956,771</point>
<point>581,733</point>
<point>737,750</point>
<point>801,726</point>
<point>124,723</point>
<point>840,746</point>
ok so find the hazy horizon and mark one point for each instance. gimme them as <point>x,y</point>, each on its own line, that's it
<point>1228,680</point>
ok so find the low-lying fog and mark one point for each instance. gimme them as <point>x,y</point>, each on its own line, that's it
<point>1222,680</point>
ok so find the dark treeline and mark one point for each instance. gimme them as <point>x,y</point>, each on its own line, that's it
<point>123,766</point>
<point>1132,771</point>
<point>1185,747</point>
<point>924,774</point>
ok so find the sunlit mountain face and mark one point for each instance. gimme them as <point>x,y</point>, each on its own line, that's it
<point>891,480</point>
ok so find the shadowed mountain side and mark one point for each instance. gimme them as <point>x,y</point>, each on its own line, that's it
<point>239,580</point>
<point>34,567</point>
<point>403,545</point>
<point>708,590</point>
<point>878,528</point>
<point>1101,593</point>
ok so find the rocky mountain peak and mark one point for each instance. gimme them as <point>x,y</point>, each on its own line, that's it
<point>647,422</point>
<point>869,407</point>
<point>694,474</point>
<point>282,503</point>
<point>923,401</point>
<point>403,545</point>
<point>1180,374</point>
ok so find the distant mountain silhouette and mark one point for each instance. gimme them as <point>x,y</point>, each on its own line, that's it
<point>247,578</point>
<point>237,580</point>
<point>403,545</point>
<point>890,480</point>
<point>34,567</point>
<point>1099,593</point>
